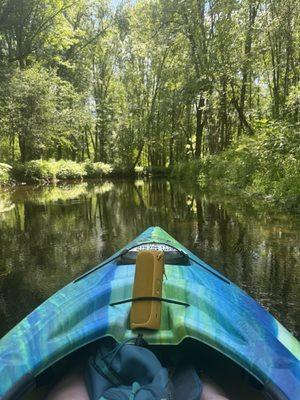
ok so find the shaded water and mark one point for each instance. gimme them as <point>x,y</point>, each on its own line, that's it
<point>50,235</point>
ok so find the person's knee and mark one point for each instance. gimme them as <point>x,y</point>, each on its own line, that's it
<point>212,396</point>
<point>71,387</point>
<point>211,391</point>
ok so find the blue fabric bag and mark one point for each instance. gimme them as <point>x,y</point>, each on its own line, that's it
<point>129,372</point>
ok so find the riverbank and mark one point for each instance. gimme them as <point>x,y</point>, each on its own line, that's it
<point>264,168</point>
<point>46,172</point>
<point>279,186</point>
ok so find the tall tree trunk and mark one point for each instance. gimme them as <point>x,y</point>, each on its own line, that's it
<point>96,153</point>
<point>171,151</point>
<point>199,126</point>
<point>59,152</point>
<point>171,144</point>
<point>253,8</point>
<point>152,109</point>
<point>223,114</point>
<point>87,145</point>
<point>12,146</point>
<point>276,75</point>
<point>243,120</point>
<point>23,148</point>
<point>137,157</point>
<point>102,155</point>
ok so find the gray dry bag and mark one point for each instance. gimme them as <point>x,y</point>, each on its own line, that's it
<point>129,372</point>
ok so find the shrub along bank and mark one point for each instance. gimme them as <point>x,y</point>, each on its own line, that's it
<point>266,166</point>
<point>5,170</point>
<point>43,171</point>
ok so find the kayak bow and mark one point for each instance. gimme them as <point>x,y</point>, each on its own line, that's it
<point>197,302</point>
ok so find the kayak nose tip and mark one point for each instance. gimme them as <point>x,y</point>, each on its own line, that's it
<point>157,232</point>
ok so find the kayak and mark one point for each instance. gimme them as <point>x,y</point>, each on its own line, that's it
<point>202,313</point>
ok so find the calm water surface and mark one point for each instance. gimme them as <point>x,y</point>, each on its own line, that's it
<point>49,235</point>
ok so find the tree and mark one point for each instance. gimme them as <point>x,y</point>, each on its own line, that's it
<point>44,113</point>
<point>28,26</point>
<point>149,83</point>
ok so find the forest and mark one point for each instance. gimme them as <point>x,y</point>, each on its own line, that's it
<point>207,90</point>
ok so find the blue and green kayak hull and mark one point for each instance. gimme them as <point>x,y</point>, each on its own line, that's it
<point>200,304</point>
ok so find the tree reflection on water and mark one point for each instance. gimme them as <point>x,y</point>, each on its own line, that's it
<point>50,235</point>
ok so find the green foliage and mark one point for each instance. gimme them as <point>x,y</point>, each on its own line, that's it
<point>139,170</point>
<point>97,170</point>
<point>18,172</point>
<point>46,171</point>
<point>287,186</point>
<point>44,113</point>
<point>234,167</point>
<point>4,173</point>
<point>69,170</point>
<point>155,171</point>
<point>188,170</point>
<point>268,166</point>
<point>39,171</point>
<point>195,86</point>
<point>30,107</point>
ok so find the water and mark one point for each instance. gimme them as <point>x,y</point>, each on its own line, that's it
<point>50,235</point>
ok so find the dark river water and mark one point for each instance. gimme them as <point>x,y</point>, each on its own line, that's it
<point>50,235</point>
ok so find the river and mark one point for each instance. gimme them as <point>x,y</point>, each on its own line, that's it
<point>50,235</point>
